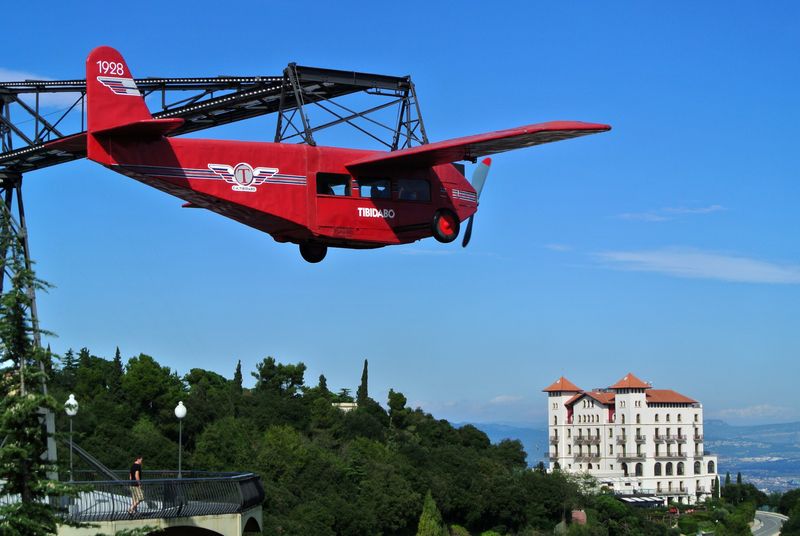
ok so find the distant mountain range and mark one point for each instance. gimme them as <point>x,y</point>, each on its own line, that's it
<point>767,455</point>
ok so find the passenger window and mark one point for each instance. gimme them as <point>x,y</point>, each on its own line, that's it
<point>333,184</point>
<point>413,190</point>
<point>375,188</point>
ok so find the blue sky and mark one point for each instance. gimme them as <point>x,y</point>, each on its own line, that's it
<point>667,247</point>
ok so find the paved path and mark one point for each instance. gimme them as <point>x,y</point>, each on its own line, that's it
<point>768,524</point>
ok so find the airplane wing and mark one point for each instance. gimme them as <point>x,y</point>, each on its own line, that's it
<point>472,147</point>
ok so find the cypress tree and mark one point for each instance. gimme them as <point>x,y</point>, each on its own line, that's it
<point>363,392</point>
<point>739,477</point>
<point>323,384</point>
<point>727,478</point>
<point>237,378</point>
<point>430,521</point>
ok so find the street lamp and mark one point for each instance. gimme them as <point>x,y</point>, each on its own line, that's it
<point>180,413</point>
<point>71,407</point>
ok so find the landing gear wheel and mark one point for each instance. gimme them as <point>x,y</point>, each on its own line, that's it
<point>445,226</point>
<point>313,252</point>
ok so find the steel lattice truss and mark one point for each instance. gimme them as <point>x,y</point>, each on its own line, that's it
<point>26,133</point>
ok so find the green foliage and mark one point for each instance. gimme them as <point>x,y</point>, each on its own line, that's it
<point>788,501</point>
<point>792,525</point>
<point>458,530</point>
<point>279,378</point>
<point>430,521</point>
<point>22,375</point>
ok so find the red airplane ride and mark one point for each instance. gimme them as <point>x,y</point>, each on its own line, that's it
<point>316,197</point>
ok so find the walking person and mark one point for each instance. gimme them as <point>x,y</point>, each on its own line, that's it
<point>135,476</point>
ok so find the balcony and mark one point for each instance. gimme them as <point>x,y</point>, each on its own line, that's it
<point>587,458</point>
<point>553,457</point>
<point>680,438</point>
<point>621,440</point>
<point>659,438</point>
<point>640,438</point>
<point>701,489</point>
<point>698,438</point>
<point>671,455</point>
<point>588,440</point>
<point>554,440</point>
<point>629,457</point>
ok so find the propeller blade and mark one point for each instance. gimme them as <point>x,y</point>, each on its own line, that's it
<point>468,232</point>
<point>480,174</point>
<point>478,180</point>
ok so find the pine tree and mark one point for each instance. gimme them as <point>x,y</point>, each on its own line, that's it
<point>430,521</point>
<point>115,377</point>
<point>363,392</point>
<point>24,495</point>
<point>323,385</point>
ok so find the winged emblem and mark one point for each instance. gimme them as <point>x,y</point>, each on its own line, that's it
<point>242,176</point>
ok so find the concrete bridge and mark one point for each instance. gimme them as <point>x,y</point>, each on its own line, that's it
<point>225,504</point>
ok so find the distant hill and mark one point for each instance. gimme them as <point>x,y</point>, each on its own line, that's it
<point>767,455</point>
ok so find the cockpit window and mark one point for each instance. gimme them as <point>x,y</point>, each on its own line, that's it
<point>333,184</point>
<point>375,188</point>
<point>413,190</point>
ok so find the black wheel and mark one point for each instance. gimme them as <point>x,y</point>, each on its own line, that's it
<point>445,226</point>
<point>313,252</point>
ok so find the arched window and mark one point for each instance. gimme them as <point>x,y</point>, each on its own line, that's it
<point>590,466</point>
<point>680,468</point>
<point>711,467</point>
<point>657,469</point>
<point>556,466</point>
<point>625,469</point>
<point>697,468</point>
<point>639,469</point>
<point>669,468</point>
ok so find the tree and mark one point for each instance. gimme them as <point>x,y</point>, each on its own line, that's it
<point>22,469</point>
<point>727,478</point>
<point>430,521</point>
<point>363,391</point>
<point>237,378</point>
<point>323,385</point>
<point>279,378</point>
<point>739,477</point>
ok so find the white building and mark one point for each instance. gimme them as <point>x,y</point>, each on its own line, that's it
<point>632,438</point>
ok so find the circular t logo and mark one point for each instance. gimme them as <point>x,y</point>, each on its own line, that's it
<point>243,174</point>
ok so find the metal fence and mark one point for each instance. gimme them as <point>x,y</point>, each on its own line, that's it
<point>209,494</point>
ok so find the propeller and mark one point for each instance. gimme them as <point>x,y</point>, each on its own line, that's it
<point>478,180</point>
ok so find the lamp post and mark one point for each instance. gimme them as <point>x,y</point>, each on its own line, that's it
<point>71,407</point>
<point>180,413</point>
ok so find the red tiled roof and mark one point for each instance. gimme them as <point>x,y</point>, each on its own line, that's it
<point>630,382</point>
<point>603,398</point>
<point>667,396</point>
<point>563,384</point>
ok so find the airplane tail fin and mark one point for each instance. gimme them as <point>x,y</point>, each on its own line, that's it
<point>115,106</point>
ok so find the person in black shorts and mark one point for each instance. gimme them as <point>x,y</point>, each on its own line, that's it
<point>135,477</point>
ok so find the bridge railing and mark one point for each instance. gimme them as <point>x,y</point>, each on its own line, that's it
<point>195,494</point>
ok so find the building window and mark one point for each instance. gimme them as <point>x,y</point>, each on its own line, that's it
<point>555,420</point>
<point>711,467</point>
<point>696,417</point>
<point>669,468</point>
<point>611,450</point>
<point>657,469</point>
<point>680,468</point>
<point>656,417</point>
<point>638,419</point>
<point>667,417</point>
<point>625,469</point>
<point>679,417</point>
<point>623,418</point>
<point>589,467</point>
<point>610,433</point>
<point>639,469</point>
<point>569,432</point>
<point>698,467</point>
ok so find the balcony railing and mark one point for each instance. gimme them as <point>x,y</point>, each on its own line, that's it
<point>554,457</point>
<point>211,494</point>
<point>659,438</point>
<point>625,457</point>
<point>698,438</point>
<point>621,439</point>
<point>587,458</point>
<point>671,455</point>
<point>588,440</point>
<point>554,440</point>
<point>640,438</point>
<point>680,438</point>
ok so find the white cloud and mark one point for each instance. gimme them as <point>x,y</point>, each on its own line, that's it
<point>505,399</point>
<point>753,412</point>
<point>698,264</point>
<point>558,247</point>
<point>669,213</point>
<point>48,100</point>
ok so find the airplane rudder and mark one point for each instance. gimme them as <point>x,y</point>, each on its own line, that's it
<point>111,93</point>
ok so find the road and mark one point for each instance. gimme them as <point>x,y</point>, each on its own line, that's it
<point>770,524</point>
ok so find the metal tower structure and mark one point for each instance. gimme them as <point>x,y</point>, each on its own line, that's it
<point>33,136</point>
